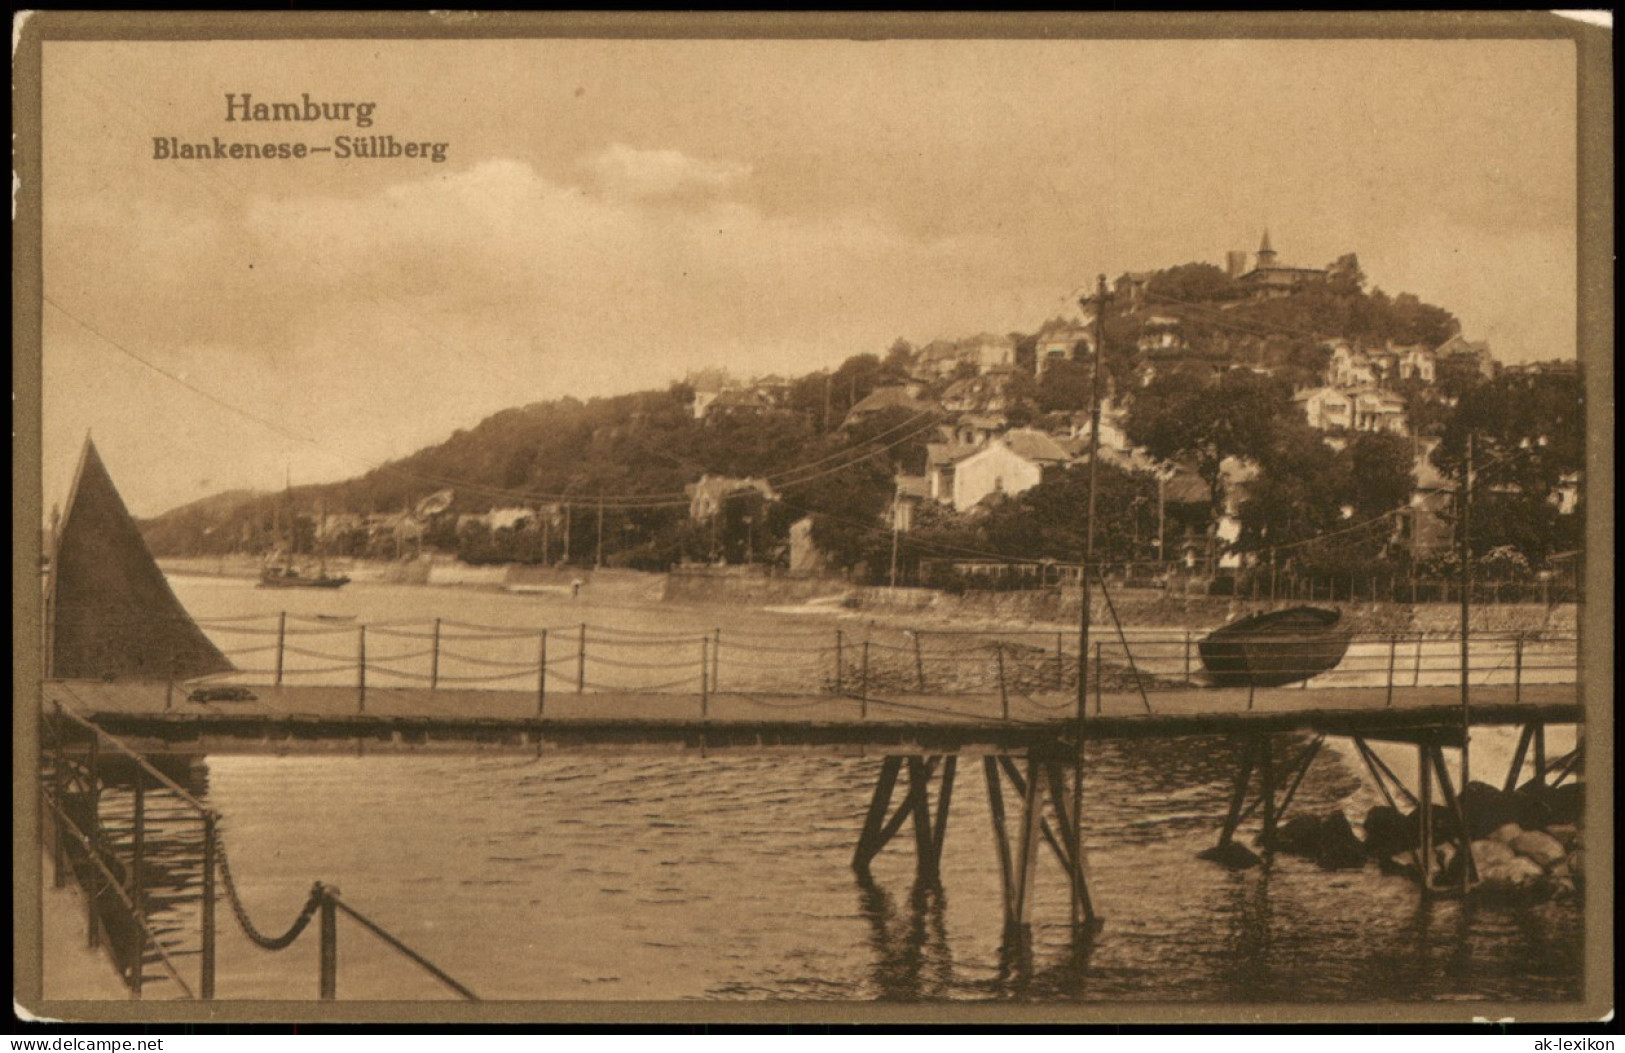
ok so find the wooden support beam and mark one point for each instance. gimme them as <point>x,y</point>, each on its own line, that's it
<point>1077,873</point>
<point>1425,818</point>
<point>869,841</point>
<point>1378,764</point>
<point>1464,842</point>
<point>1371,763</point>
<point>1001,838</point>
<point>1238,794</point>
<point>1516,769</point>
<point>1301,768</point>
<point>1044,830</point>
<point>1267,778</point>
<point>1027,854</point>
<point>945,796</point>
<point>919,807</point>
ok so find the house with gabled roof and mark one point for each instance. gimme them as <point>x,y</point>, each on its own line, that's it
<point>895,396</point>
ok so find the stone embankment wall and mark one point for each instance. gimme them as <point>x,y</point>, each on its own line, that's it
<point>1147,608</point>
<point>1142,608</point>
<point>749,590</point>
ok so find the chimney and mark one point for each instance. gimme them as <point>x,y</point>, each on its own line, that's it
<point>1236,263</point>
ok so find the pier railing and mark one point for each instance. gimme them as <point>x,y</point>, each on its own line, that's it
<point>137,842</point>
<point>853,659</point>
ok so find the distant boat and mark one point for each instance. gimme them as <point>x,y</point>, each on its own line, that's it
<point>284,574</point>
<point>288,576</point>
<point>1275,648</point>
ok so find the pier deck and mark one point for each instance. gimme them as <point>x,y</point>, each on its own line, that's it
<point>323,719</point>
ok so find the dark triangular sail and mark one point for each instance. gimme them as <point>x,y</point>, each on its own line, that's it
<point>112,612</point>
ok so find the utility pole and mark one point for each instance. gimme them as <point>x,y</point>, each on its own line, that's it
<point>1083,583</point>
<point>568,515</point>
<point>1466,614</point>
<point>598,554</point>
<point>895,510</point>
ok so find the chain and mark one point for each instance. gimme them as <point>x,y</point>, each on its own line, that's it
<point>268,943</point>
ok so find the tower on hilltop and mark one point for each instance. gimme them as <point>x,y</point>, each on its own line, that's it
<point>1266,255</point>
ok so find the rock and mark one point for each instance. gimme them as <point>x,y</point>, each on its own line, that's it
<point>1232,855</point>
<point>1576,864</point>
<point>1564,832</point>
<point>1338,849</point>
<point>1529,806</point>
<point>1489,853</point>
<point>1400,863</point>
<point>1506,834</point>
<point>1559,871</point>
<point>1541,847</point>
<point>1444,825</point>
<point>1518,876</point>
<point>1299,836</point>
<point>1564,888</point>
<point>1566,802</point>
<point>1487,808</point>
<point>1386,832</point>
<point>1579,840</point>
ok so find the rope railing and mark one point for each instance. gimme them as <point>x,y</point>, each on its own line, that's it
<point>101,844</point>
<point>899,658</point>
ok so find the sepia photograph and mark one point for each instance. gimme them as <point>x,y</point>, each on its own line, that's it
<point>725,518</point>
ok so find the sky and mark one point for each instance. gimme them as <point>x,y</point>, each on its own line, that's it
<point>613,214</point>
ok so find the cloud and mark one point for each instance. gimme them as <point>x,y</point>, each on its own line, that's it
<point>627,171</point>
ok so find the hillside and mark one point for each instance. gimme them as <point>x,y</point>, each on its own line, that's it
<point>528,482</point>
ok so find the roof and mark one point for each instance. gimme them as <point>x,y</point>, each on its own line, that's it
<point>1035,445</point>
<point>738,400</point>
<point>895,396</point>
<point>938,454</point>
<point>983,420</point>
<point>1185,487</point>
<point>913,486</point>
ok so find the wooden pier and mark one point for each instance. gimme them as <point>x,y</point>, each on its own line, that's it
<point>155,717</point>
<point>1029,746</point>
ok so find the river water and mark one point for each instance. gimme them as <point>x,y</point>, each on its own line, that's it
<point>658,877</point>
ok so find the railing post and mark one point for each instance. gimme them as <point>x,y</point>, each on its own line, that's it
<point>281,643</point>
<point>840,663</point>
<point>716,660</point>
<point>541,673</point>
<point>705,677</point>
<point>1393,654</point>
<point>863,682</point>
<point>329,974</point>
<point>94,843</point>
<point>1517,668</point>
<point>361,668</point>
<point>1098,682</point>
<point>1004,693</point>
<point>1060,664</point>
<point>207,982</point>
<point>919,662</point>
<point>60,779</point>
<point>1187,656</point>
<point>434,658</point>
<point>581,659</point>
<point>138,837</point>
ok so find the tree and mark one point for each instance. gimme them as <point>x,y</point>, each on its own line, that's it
<point>1182,415</point>
<point>1344,277</point>
<point>1192,283</point>
<point>899,358</point>
<point>1065,386</point>
<point>1529,438</point>
<point>1379,473</point>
